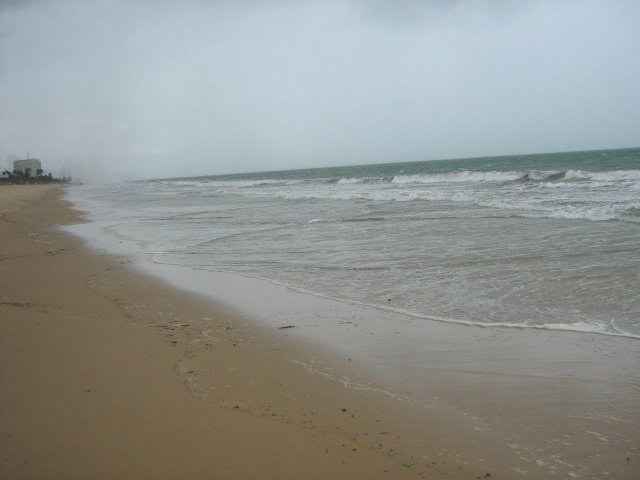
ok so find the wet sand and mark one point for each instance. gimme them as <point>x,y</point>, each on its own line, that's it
<point>522,403</point>
<point>106,372</point>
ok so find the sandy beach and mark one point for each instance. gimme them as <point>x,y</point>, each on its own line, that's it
<point>319,240</point>
<point>110,373</point>
<point>92,389</point>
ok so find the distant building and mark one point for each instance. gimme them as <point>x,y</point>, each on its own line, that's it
<point>28,166</point>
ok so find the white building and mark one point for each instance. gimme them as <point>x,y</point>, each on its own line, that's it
<point>28,166</point>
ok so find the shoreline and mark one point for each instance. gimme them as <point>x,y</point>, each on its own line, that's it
<point>560,328</point>
<point>109,230</point>
<point>440,400</point>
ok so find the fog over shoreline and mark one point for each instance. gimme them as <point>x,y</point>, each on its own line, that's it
<point>111,89</point>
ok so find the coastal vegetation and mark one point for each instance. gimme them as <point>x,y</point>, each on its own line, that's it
<point>17,177</point>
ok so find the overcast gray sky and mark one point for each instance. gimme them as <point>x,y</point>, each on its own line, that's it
<point>168,88</point>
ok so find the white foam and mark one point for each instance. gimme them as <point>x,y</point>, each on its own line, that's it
<point>611,176</point>
<point>321,220</point>
<point>462,176</point>
<point>577,327</point>
<point>350,181</point>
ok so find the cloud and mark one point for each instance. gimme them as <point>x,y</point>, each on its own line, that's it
<point>11,5</point>
<point>151,89</point>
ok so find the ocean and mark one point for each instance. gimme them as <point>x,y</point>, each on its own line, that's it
<point>530,241</point>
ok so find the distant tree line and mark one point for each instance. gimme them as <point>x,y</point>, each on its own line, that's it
<point>18,177</point>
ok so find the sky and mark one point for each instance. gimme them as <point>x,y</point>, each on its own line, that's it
<point>110,90</point>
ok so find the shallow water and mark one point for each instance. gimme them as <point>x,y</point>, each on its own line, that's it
<point>541,241</point>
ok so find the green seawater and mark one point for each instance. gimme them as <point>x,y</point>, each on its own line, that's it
<point>590,161</point>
